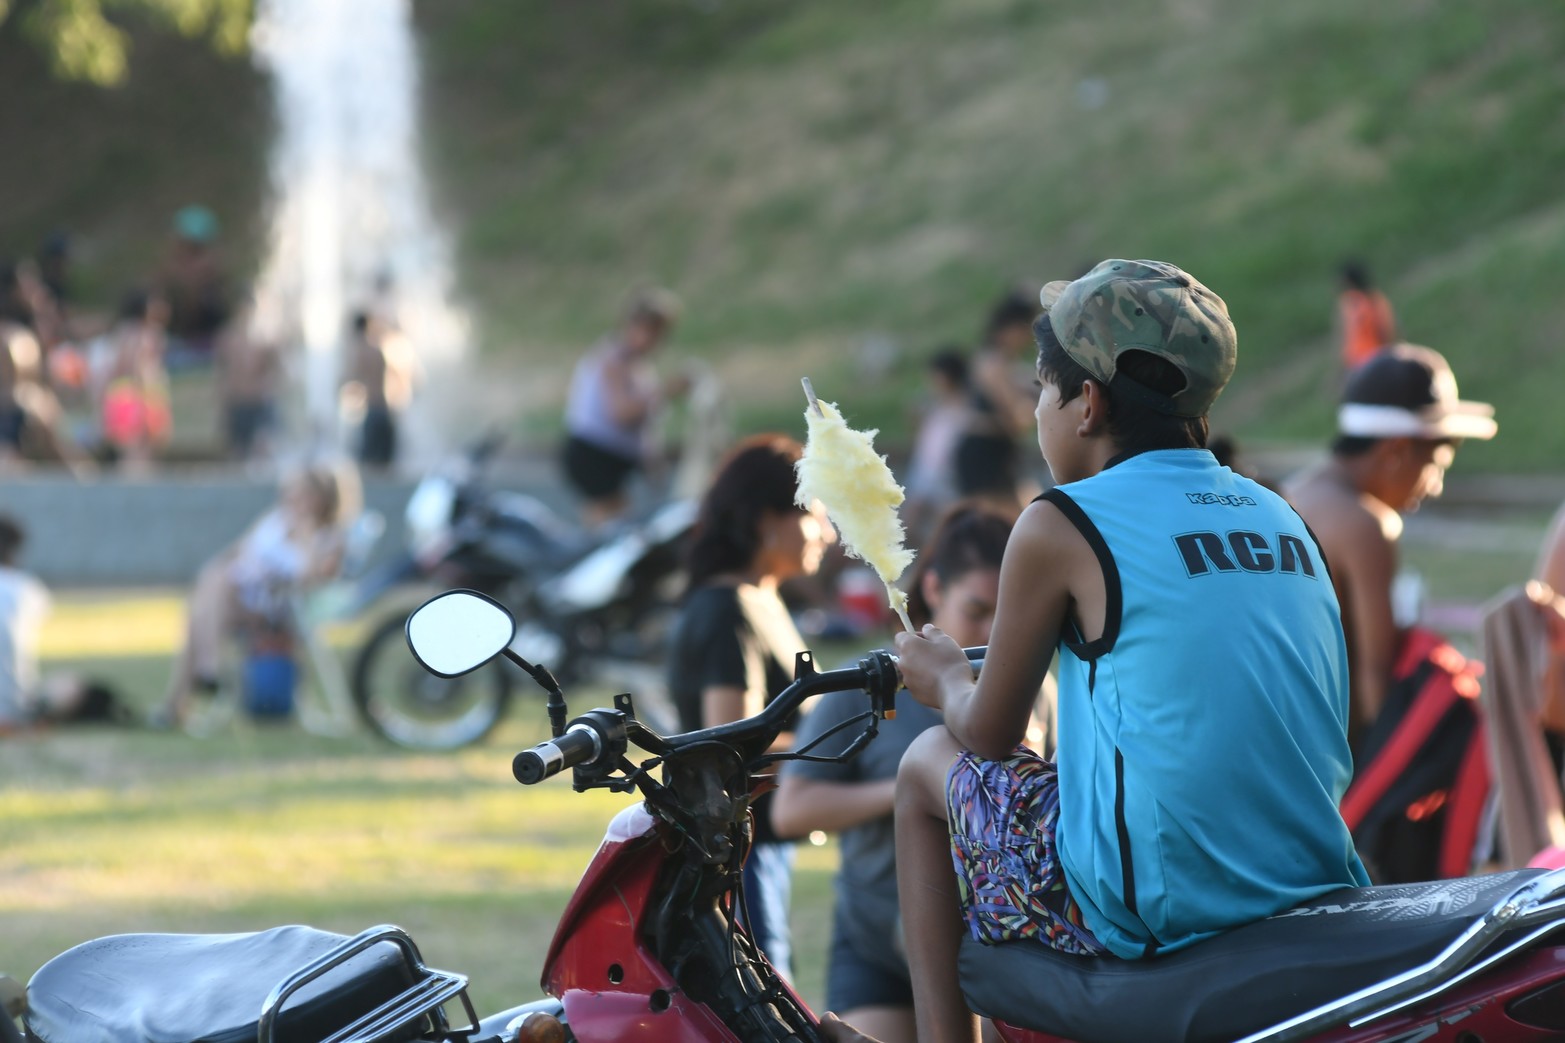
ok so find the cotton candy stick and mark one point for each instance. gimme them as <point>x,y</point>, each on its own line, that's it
<point>841,469</point>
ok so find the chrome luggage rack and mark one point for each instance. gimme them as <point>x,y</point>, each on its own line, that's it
<point>1538,904</point>
<point>426,998</point>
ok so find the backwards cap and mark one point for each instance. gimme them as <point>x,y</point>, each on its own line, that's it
<point>1146,306</point>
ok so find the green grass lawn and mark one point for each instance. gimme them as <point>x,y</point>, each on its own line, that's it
<point>107,830</point>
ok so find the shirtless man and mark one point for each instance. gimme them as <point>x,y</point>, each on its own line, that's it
<point>386,372</point>
<point>249,370</point>
<point>1398,426</point>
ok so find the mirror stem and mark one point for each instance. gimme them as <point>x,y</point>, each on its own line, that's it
<point>546,681</point>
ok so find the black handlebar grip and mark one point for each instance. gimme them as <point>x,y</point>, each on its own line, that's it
<point>578,745</point>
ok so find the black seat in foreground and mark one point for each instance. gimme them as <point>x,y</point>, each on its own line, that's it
<point>1237,983</point>
<point>176,988</point>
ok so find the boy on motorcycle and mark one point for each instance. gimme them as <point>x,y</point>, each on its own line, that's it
<point>1202,682</point>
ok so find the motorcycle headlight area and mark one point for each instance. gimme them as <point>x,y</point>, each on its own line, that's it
<point>428,513</point>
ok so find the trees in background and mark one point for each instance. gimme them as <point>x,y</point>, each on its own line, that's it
<point>84,41</point>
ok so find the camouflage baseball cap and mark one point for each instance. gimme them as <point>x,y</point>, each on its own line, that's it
<point>1146,306</point>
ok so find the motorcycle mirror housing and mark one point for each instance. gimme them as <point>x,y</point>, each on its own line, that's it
<point>459,631</point>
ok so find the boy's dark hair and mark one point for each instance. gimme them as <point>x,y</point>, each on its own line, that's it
<point>12,536</point>
<point>969,536</point>
<point>950,363</point>
<point>756,477</point>
<point>1132,427</point>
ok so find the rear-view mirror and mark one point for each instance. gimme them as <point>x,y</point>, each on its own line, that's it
<point>459,631</point>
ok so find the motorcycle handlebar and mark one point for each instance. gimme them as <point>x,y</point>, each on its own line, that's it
<point>578,745</point>
<point>591,736</point>
<point>876,673</point>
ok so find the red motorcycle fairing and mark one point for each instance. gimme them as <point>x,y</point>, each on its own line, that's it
<point>1479,1010</point>
<point>612,985</point>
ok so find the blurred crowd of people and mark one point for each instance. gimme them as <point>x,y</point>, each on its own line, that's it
<point>973,426</point>
<point>79,385</point>
<point>84,386</point>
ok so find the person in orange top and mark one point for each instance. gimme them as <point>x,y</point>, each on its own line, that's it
<point>1365,321</point>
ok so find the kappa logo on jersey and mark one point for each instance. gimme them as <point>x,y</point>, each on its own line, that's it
<point>1221,499</point>
<point>1241,550</point>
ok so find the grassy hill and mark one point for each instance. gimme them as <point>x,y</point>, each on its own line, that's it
<point>815,176</point>
<point>111,166</point>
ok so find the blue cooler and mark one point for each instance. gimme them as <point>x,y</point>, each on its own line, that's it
<point>269,680</point>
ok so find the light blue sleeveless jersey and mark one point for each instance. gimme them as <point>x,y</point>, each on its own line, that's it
<point>1203,738</point>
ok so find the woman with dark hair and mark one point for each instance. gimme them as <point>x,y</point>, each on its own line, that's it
<point>954,584</point>
<point>734,644</point>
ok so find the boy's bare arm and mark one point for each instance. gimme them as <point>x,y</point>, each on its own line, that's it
<point>1044,557</point>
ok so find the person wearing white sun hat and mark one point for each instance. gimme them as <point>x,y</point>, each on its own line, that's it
<point>1399,422</point>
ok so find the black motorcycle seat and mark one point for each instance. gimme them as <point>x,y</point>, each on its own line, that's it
<point>204,988</point>
<point>1239,982</point>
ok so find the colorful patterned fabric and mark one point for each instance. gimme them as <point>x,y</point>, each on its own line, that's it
<point>1009,880</point>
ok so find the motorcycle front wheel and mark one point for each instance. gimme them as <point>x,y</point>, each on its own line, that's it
<point>411,707</point>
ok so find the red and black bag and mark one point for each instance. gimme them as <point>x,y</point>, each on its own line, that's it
<point>1421,776</point>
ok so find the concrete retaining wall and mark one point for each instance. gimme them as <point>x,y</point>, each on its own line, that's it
<point>157,531</point>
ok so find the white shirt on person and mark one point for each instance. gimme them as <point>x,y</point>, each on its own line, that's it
<point>24,604</point>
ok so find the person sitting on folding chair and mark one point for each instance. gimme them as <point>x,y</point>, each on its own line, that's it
<point>247,589</point>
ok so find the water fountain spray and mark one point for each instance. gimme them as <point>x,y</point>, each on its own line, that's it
<point>351,226</point>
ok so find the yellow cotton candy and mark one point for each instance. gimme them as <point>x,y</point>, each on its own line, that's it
<point>841,469</point>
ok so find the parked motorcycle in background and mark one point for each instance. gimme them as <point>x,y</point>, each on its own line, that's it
<point>598,606</point>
